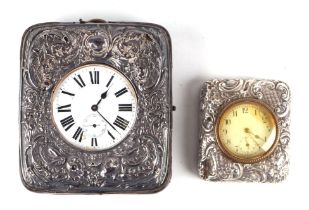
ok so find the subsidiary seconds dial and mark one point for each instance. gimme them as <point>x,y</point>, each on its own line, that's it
<point>94,107</point>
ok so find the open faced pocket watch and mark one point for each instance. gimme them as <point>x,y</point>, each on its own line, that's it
<point>244,133</point>
<point>95,107</point>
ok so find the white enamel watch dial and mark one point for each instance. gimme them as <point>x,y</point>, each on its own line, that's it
<point>94,107</point>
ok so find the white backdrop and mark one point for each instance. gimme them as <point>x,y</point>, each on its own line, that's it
<point>261,39</point>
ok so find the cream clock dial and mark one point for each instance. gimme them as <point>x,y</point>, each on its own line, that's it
<point>247,131</point>
<point>94,107</point>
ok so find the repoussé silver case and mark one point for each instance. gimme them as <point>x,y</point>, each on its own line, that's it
<point>213,165</point>
<point>141,163</point>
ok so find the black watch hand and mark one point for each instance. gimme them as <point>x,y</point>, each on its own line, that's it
<point>103,96</point>
<point>107,121</point>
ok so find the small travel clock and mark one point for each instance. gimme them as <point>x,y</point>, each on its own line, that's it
<point>96,107</point>
<point>244,133</point>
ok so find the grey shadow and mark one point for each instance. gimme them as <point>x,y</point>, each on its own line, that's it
<point>189,74</point>
<point>190,132</point>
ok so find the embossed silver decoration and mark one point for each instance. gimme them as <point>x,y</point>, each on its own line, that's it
<point>216,94</point>
<point>142,162</point>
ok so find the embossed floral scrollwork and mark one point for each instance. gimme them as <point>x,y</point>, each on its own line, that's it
<point>75,167</point>
<point>97,44</point>
<point>148,71</point>
<point>213,164</point>
<point>208,123</point>
<point>30,98</point>
<point>156,112</point>
<point>111,170</point>
<point>259,88</point>
<point>143,158</point>
<point>130,44</point>
<point>208,161</point>
<point>230,88</point>
<point>51,50</point>
<point>282,109</point>
<point>217,167</point>
<point>30,117</point>
<point>284,91</point>
<point>47,160</point>
<point>136,49</point>
<point>226,169</point>
<point>230,85</point>
<point>285,139</point>
<point>140,162</point>
<point>254,173</point>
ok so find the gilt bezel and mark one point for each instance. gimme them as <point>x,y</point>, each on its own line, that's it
<point>252,159</point>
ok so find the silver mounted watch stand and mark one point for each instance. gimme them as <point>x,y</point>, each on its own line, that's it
<point>213,165</point>
<point>141,163</point>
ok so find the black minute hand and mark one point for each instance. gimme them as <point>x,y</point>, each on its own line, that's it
<point>107,121</point>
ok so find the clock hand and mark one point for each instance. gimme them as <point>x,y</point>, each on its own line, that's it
<point>103,95</point>
<point>258,137</point>
<point>257,144</point>
<point>107,121</point>
<point>91,125</point>
<point>247,130</point>
<point>247,143</point>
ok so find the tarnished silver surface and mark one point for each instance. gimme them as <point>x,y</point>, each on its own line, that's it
<point>141,163</point>
<point>213,165</point>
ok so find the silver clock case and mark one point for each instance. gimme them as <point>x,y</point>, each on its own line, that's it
<point>213,165</point>
<point>141,163</point>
